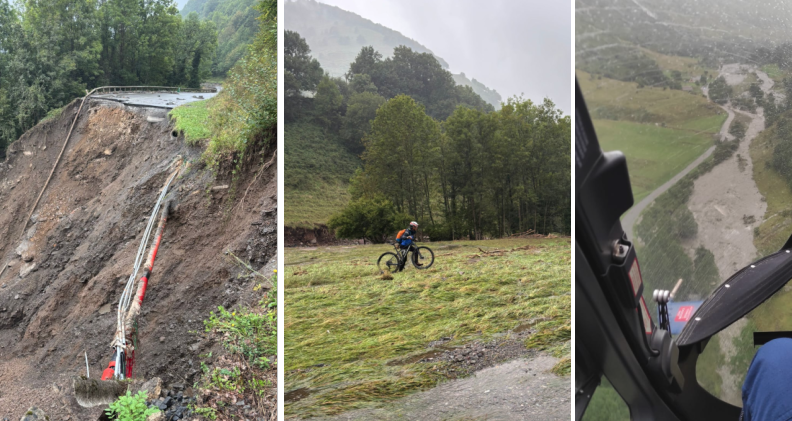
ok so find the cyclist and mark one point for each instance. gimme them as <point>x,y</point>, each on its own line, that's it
<point>405,238</point>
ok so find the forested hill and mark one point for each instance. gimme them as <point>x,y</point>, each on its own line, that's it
<point>336,37</point>
<point>236,27</point>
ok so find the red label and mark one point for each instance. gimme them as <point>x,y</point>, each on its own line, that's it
<point>683,314</point>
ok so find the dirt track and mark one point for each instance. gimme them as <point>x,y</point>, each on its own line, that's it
<point>520,389</point>
<point>58,296</point>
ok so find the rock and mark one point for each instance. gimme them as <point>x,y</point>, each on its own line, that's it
<point>26,269</point>
<point>162,339</point>
<point>108,152</point>
<point>158,416</point>
<point>27,153</point>
<point>153,387</point>
<point>105,309</point>
<point>34,414</point>
<point>27,257</point>
<point>223,187</point>
<point>16,297</point>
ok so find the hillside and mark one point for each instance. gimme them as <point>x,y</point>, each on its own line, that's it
<point>336,37</point>
<point>59,292</point>
<point>236,27</point>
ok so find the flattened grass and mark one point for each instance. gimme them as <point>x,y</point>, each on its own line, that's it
<point>344,323</point>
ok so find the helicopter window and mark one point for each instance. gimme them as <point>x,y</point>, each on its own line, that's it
<point>699,105</point>
<point>606,405</point>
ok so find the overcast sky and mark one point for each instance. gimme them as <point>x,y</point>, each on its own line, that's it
<point>514,47</point>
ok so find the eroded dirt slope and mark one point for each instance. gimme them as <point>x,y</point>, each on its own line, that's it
<point>59,294</point>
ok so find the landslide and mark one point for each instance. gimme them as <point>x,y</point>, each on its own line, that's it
<point>59,294</point>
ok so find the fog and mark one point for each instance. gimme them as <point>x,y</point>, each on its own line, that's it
<point>514,47</point>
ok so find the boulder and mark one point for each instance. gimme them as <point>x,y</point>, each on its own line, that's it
<point>34,414</point>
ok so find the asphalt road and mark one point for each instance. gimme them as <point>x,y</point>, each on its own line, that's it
<point>155,99</point>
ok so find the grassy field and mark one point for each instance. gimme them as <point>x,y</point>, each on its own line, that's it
<point>345,323</point>
<point>317,172</point>
<point>654,154</point>
<point>659,130</point>
<point>775,72</point>
<point>625,101</point>
<point>308,208</point>
<point>777,225</point>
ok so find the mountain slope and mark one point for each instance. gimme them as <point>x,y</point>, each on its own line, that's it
<point>236,26</point>
<point>336,37</point>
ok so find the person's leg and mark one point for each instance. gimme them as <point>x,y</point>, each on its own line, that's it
<point>767,390</point>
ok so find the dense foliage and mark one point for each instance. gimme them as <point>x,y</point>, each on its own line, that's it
<point>236,28</point>
<point>434,150</point>
<point>245,114</point>
<point>51,51</point>
<point>373,219</point>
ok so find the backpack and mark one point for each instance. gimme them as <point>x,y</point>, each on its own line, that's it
<point>403,242</point>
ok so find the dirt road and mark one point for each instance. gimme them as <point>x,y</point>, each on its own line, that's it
<point>522,389</point>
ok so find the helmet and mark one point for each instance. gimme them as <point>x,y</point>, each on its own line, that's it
<point>413,223</point>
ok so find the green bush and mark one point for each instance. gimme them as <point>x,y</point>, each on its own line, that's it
<point>248,333</point>
<point>130,408</point>
<point>373,219</point>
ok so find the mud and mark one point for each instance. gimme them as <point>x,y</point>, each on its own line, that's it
<point>727,207</point>
<point>725,199</point>
<point>71,265</point>
<point>521,389</point>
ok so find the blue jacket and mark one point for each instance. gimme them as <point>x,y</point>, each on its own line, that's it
<point>767,386</point>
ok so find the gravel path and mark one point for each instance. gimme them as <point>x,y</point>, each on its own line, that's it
<point>521,389</point>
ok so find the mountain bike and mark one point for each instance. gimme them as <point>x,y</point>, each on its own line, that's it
<point>422,258</point>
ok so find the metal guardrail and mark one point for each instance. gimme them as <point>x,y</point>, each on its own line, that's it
<point>133,89</point>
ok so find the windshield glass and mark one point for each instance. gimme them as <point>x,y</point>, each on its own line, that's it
<point>694,94</point>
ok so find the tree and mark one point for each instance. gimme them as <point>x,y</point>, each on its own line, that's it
<point>329,104</point>
<point>373,219</point>
<point>720,91</point>
<point>400,156</point>
<point>195,52</point>
<point>301,72</point>
<point>356,123</point>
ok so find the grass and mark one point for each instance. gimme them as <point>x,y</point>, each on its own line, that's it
<point>311,208</point>
<point>625,101</point>
<point>606,404</point>
<point>345,323</point>
<point>192,120</point>
<point>247,367</point>
<point>317,169</point>
<point>777,220</point>
<point>654,154</point>
<point>775,72</point>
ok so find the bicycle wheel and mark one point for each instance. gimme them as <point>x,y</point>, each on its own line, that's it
<point>422,258</point>
<point>388,261</point>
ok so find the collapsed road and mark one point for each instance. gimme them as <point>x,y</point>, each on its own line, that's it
<point>64,275</point>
